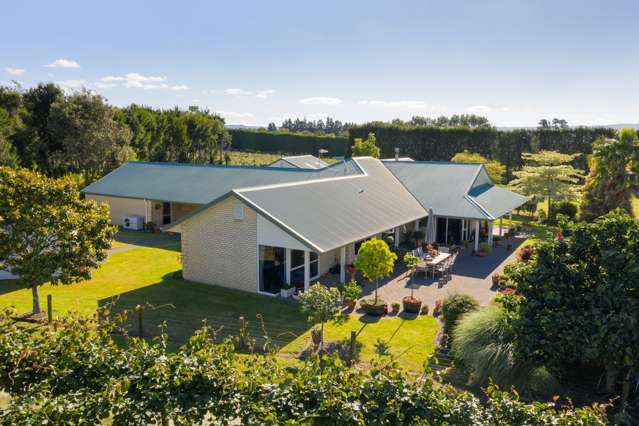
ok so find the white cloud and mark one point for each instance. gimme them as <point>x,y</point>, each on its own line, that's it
<point>396,104</point>
<point>263,94</point>
<point>320,100</point>
<point>63,63</point>
<point>237,92</point>
<point>14,71</point>
<point>484,109</point>
<point>71,84</point>
<point>138,81</point>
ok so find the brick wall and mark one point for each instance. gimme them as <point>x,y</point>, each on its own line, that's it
<point>218,249</point>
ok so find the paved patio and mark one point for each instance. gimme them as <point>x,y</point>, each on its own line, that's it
<point>471,275</point>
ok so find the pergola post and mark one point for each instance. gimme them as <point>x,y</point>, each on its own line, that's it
<point>501,226</point>
<point>288,266</point>
<point>397,236</point>
<point>510,221</point>
<point>490,232</point>
<point>342,264</point>
<point>307,269</point>
<point>477,235</point>
<point>446,236</point>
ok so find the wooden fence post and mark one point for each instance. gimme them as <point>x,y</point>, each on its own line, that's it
<point>351,349</point>
<point>139,309</point>
<point>242,333</point>
<point>49,308</point>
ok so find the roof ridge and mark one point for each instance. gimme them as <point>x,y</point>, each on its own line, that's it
<point>442,162</point>
<point>230,166</point>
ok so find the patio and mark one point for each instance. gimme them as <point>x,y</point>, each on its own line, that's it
<point>471,275</point>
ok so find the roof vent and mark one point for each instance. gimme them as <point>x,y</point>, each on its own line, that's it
<point>361,191</point>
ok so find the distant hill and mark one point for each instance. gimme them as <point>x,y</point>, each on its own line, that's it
<point>240,126</point>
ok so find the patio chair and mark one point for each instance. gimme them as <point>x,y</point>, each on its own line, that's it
<point>422,268</point>
<point>441,269</point>
<point>420,252</point>
<point>443,249</point>
<point>451,263</point>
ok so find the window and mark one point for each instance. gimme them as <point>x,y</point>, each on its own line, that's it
<point>297,267</point>
<point>166,213</point>
<point>272,264</point>
<point>238,211</point>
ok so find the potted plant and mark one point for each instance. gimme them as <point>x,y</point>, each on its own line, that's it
<point>411,304</point>
<point>287,290</point>
<point>375,260</point>
<point>484,249</point>
<point>351,292</point>
<point>424,310</point>
<point>497,279</point>
<point>437,310</point>
<point>419,237</point>
<point>496,240</point>
<point>395,307</point>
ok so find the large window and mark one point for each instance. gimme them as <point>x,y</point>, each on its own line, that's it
<point>272,269</point>
<point>297,267</point>
<point>166,213</point>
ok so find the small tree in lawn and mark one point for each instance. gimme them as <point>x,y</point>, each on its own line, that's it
<point>322,304</point>
<point>375,260</point>
<point>47,233</point>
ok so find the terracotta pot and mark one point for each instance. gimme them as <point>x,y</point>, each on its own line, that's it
<point>351,304</point>
<point>412,305</point>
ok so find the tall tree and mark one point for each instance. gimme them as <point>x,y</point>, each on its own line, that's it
<point>610,184</point>
<point>548,175</point>
<point>36,143</point>
<point>366,148</point>
<point>47,233</point>
<point>495,169</point>
<point>91,141</point>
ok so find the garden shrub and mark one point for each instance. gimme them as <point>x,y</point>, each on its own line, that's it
<point>454,307</point>
<point>567,209</point>
<point>484,345</point>
<point>77,374</point>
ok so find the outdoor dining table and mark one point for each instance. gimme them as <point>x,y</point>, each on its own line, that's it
<point>434,261</point>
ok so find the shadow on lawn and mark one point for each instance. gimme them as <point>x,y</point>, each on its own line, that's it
<point>8,286</point>
<point>184,306</point>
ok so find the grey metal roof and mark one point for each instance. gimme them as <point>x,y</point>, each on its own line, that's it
<point>447,188</point>
<point>329,213</point>
<point>305,161</point>
<point>495,200</point>
<point>200,183</point>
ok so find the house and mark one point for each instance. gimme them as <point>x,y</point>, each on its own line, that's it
<point>460,197</point>
<point>258,228</point>
<point>300,162</point>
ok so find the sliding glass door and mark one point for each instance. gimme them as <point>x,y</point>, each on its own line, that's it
<point>272,269</point>
<point>297,267</point>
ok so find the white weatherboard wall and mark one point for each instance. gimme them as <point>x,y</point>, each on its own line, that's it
<point>269,234</point>
<point>120,207</point>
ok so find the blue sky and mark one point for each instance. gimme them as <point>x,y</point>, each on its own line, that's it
<point>254,62</point>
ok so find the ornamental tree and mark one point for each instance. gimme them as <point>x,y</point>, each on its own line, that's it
<point>47,233</point>
<point>579,297</point>
<point>366,148</point>
<point>548,175</point>
<point>375,260</point>
<point>411,263</point>
<point>609,184</point>
<point>495,169</point>
<point>322,304</point>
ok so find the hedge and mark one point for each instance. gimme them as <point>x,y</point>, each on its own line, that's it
<point>441,144</point>
<point>288,143</point>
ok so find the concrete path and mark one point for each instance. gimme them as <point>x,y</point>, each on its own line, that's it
<point>472,275</point>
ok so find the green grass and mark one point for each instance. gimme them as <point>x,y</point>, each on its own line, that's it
<point>410,340</point>
<point>146,276</point>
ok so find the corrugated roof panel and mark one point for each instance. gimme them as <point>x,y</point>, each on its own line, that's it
<point>495,200</point>
<point>440,186</point>
<point>334,212</point>
<point>199,183</point>
<point>305,161</point>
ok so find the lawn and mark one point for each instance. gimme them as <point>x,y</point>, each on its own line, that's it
<point>147,276</point>
<point>409,340</point>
